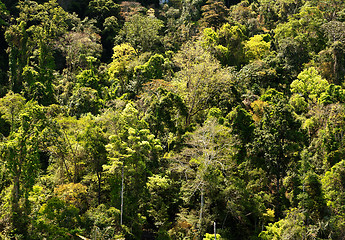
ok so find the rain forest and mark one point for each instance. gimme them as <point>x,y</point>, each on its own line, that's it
<point>172,119</point>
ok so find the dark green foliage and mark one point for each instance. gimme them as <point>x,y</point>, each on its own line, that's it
<point>277,141</point>
<point>106,12</point>
<point>166,114</point>
<point>4,14</point>
<point>242,125</point>
<point>57,220</point>
<point>84,100</point>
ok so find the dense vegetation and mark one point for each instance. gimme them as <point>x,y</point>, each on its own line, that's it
<point>155,120</point>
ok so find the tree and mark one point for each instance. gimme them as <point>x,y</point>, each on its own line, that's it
<point>277,139</point>
<point>119,70</point>
<point>80,45</point>
<point>163,201</point>
<point>20,152</point>
<point>31,45</point>
<point>10,106</point>
<point>307,89</point>
<point>202,82</point>
<point>335,32</point>
<point>84,100</point>
<point>257,47</point>
<point>304,28</point>
<point>142,32</point>
<point>245,13</point>
<point>107,14</point>
<point>242,125</point>
<point>157,67</point>
<point>94,144</point>
<point>103,9</point>
<point>205,162</point>
<point>333,185</point>
<point>165,112</point>
<point>226,44</point>
<point>4,15</point>
<point>67,155</point>
<point>330,135</point>
<point>290,227</point>
<point>105,221</point>
<point>214,13</point>
<point>330,8</point>
<point>190,11</point>
<point>273,12</point>
<point>134,151</point>
<point>57,219</point>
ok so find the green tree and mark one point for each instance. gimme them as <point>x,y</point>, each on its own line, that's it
<point>103,9</point>
<point>163,200</point>
<point>4,17</point>
<point>307,89</point>
<point>84,100</point>
<point>226,44</point>
<point>165,112</point>
<point>105,221</point>
<point>330,136</point>
<point>202,83</point>
<point>305,28</point>
<point>331,9</point>
<point>142,32</point>
<point>205,161</point>
<point>333,185</point>
<point>242,125</point>
<point>94,143</point>
<point>335,32</point>
<point>58,219</point>
<point>274,12</point>
<point>107,15</point>
<point>190,11</point>
<point>31,44</point>
<point>80,45</point>
<point>277,140</point>
<point>257,47</point>
<point>134,152</point>
<point>10,106</point>
<point>157,67</point>
<point>20,151</point>
<point>119,70</point>
<point>290,227</point>
<point>245,14</point>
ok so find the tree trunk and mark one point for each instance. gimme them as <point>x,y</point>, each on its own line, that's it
<point>99,176</point>
<point>201,210</point>
<point>122,187</point>
<point>215,232</point>
<point>278,196</point>
<point>16,189</point>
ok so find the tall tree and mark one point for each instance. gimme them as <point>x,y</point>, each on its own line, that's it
<point>31,45</point>
<point>20,151</point>
<point>205,162</point>
<point>4,14</point>
<point>277,139</point>
<point>202,82</point>
<point>94,144</point>
<point>134,152</point>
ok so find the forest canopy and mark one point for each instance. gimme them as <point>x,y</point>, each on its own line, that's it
<point>174,119</point>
